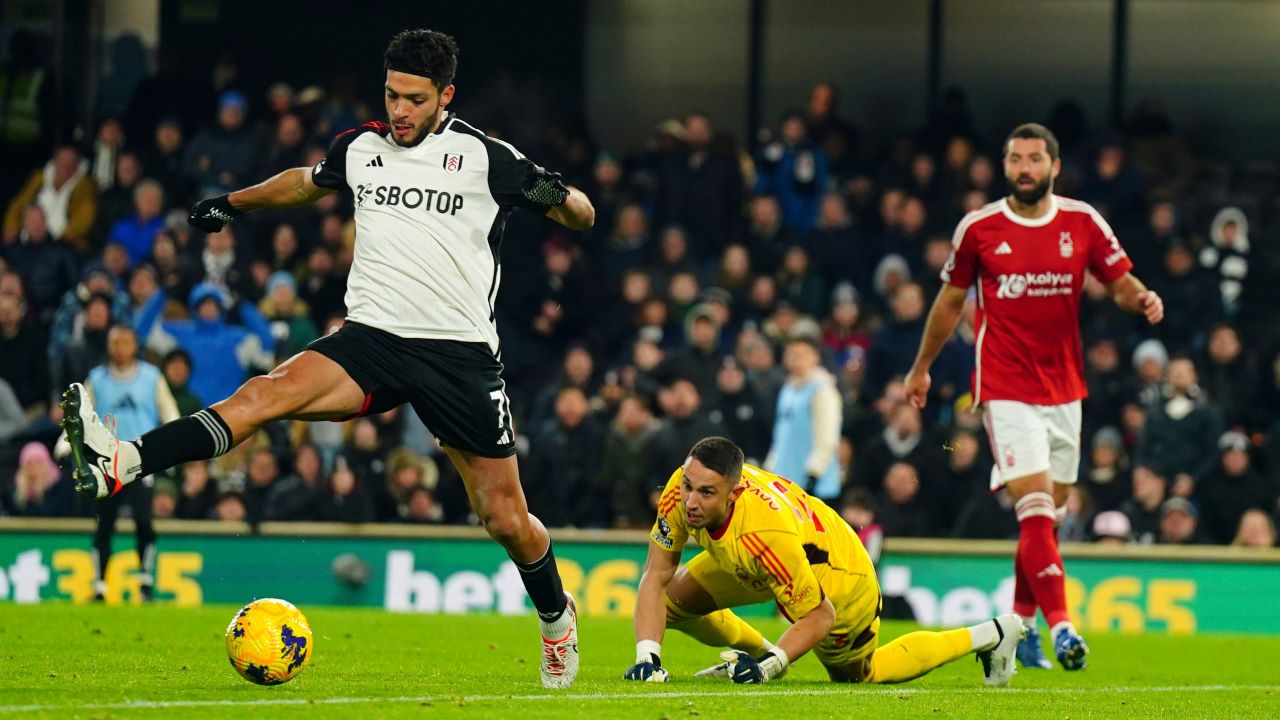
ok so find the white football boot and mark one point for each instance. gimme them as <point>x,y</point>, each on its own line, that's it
<point>998,666</point>
<point>97,465</point>
<point>560,654</point>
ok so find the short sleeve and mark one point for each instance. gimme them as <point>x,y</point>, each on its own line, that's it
<point>510,175</point>
<point>1107,259</point>
<point>961,269</point>
<point>331,172</point>
<point>781,561</point>
<point>669,529</point>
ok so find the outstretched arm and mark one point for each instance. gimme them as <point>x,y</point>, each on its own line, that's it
<point>291,188</point>
<point>576,213</point>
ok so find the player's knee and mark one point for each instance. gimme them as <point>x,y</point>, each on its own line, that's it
<point>508,527</point>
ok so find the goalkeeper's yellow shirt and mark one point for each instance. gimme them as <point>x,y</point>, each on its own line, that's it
<point>780,541</point>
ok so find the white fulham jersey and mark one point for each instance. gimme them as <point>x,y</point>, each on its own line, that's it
<point>429,222</point>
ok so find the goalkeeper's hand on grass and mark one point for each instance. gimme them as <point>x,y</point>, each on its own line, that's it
<point>648,670</point>
<point>746,670</point>
<point>648,667</point>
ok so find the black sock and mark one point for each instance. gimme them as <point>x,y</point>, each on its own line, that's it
<point>196,437</point>
<point>542,581</point>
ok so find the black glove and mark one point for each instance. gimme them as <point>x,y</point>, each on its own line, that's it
<point>545,188</point>
<point>213,214</point>
<point>810,482</point>
<point>750,671</point>
<point>647,670</point>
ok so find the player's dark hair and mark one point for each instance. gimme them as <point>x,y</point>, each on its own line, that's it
<point>1034,131</point>
<point>721,455</point>
<point>425,53</point>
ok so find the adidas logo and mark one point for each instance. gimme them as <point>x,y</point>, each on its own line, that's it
<point>375,162</point>
<point>1051,571</point>
<point>1004,249</point>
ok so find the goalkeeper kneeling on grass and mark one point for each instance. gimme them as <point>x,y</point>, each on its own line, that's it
<point>763,539</point>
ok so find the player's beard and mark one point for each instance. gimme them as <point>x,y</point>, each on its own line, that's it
<point>428,126</point>
<point>1034,194</point>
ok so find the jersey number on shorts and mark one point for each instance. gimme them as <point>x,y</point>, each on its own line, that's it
<point>503,405</point>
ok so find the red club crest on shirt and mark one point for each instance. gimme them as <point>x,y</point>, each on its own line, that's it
<point>1065,246</point>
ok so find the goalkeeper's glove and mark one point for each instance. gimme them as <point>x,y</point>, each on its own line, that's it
<point>545,188</point>
<point>648,667</point>
<point>213,214</point>
<point>748,670</point>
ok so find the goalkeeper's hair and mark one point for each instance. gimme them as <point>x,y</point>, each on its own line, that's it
<point>721,455</point>
<point>425,53</point>
<point>1034,131</point>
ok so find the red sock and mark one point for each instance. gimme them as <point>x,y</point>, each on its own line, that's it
<point>1024,601</point>
<point>1042,565</point>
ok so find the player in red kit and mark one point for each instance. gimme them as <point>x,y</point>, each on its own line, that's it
<point>1028,254</point>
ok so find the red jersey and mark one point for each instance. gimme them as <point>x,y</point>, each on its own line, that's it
<point>1030,274</point>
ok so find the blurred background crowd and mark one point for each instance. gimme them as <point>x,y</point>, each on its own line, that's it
<point>720,271</point>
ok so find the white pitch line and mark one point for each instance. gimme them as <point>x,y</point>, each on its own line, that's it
<point>745,692</point>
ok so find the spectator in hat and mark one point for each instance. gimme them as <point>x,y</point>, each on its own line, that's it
<point>222,352</point>
<point>845,328</point>
<point>221,158</point>
<point>1111,527</point>
<point>699,360</point>
<point>288,316</point>
<point>1149,360</point>
<point>1256,530</point>
<point>1179,523</point>
<point>1227,257</point>
<point>1106,474</point>
<point>893,347</point>
<point>1233,487</point>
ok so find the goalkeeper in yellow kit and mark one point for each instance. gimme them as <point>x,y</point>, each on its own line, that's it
<point>764,538</point>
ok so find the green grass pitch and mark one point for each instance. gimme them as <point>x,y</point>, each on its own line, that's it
<point>67,661</point>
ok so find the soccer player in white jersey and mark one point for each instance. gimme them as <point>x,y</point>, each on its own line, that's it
<point>1028,254</point>
<point>432,195</point>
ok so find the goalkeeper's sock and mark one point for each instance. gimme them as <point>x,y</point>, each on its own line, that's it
<point>541,580</point>
<point>719,629</point>
<point>915,654</point>
<point>1038,554</point>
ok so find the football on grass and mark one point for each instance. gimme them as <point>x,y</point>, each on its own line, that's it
<point>269,642</point>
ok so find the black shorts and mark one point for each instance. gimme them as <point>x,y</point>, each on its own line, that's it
<point>455,387</point>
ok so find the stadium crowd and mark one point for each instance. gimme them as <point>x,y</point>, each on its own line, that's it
<point>710,274</point>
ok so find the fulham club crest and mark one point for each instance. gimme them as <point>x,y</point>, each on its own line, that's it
<point>452,163</point>
<point>1065,245</point>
